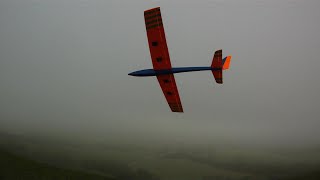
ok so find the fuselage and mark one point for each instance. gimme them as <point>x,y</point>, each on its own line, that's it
<point>152,72</point>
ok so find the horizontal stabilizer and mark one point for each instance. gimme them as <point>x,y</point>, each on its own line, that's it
<point>217,66</point>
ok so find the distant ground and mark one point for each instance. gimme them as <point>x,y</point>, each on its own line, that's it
<point>14,167</point>
<point>23,157</point>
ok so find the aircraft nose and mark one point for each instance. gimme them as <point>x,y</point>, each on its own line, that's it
<point>131,74</point>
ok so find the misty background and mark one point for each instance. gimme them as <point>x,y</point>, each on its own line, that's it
<point>64,66</point>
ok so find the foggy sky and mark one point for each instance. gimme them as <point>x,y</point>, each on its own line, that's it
<point>64,66</point>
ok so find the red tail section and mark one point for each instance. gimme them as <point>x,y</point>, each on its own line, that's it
<point>217,66</point>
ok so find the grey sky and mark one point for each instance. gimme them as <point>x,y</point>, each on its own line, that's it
<point>64,66</point>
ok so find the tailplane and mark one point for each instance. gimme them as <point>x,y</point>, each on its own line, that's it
<point>217,66</point>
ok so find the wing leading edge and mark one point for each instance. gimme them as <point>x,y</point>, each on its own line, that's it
<point>160,57</point>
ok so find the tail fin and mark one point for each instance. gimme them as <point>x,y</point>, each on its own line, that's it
<point>226,62</point>
<point>217,66</point>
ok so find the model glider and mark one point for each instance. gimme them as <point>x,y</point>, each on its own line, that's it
<point>161,61</point>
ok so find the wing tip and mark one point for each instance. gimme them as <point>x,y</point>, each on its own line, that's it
<point>177,111</point>
<point>152,10</point>
<point>176,107</point>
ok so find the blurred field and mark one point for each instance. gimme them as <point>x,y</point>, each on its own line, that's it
<point>14,167</point>
<point>146,160</point>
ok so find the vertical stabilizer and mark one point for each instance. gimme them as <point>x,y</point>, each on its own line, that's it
<point>226,63</point>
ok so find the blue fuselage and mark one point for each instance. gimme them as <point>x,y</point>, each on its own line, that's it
<point>152,72</point>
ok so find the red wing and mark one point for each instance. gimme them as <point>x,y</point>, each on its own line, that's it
<point>160,57</point>
<point>157,39</point>
<point>170,91</point>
